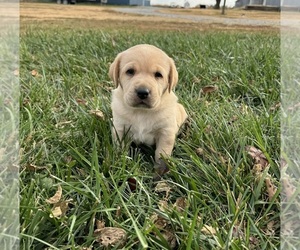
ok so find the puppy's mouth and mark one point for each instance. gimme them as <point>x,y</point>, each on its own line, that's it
<point>142,104</point>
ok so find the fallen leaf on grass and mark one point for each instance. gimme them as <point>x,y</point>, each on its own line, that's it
<point>111,236</point>
<point>287,229</point>
<point>59,209</point>
<point>181,204</point>
<point>170,238</point>
<point>163,205</point>
<point>237,232</point>
<point>163,186</point>
<point>158,221</point>
<point>258,156</point>
<point>199,151</point>
<point>32,167</point>
<point>163,225</point>
<point>132,184</point>
<point>275,107</point>
<point>55,198</point>
<point>257,169</point>
<point>34,72</point>
<point>288,188</point>
<point>233,119</point>
<point>254,242</point>
<point>81,101</point>
<point>62,124</point>
<point>295,106</point>
<point>97,113</point>
<point>208,230</point>
<point>270,188</point>
<point>209,89</point>
<point>270,231</point>
<point>100,224</point>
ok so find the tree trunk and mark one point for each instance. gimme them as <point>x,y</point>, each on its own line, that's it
<point>223,8</point>
<point>217,6</point>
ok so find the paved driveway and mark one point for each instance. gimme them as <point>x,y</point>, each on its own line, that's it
<point>154,11</point>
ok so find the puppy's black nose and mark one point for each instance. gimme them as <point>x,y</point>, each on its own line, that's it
<point>142,93</point>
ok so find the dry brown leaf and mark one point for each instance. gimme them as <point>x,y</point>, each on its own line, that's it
<point>196,79</point>
<point>62,124</point>
<point>270,188</point>
<point>254,242</point>
<point>181,204</point>
<point>111,236</point>
<point>257,169</point>
<point>100,224</point>
<point>258,156</point>
<point>233,119</point>
<point>97,113</point>
<point>237,232</point>
<point>81,101</point>
<point>26,101</point>
<point>158,221</point>
<point>244,109</point>
<point>60,209</point>
<point>208,230</point>
<point>295,106</point>
<point>209,89</point>
<point>287,227</point>
<point>270,228</point>
<point>288,188</point>
<point>34,72</point>
<point>132,184</point>
<point>276,106</point>
<point>32,167</point>
<point>56,212</point>
<point>208,129</point>
<point>55,198</point>
<point>162,186</point>
<point>170,238</point>
<point>163,205</point>
<point>199,151</point>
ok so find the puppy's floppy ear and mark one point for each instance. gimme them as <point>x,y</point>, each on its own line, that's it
<point>173,75</point>
<point>114,70</point>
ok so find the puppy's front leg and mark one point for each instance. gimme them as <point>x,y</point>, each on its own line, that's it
<point>164,147</point>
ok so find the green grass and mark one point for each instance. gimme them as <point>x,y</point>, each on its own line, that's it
<point>72,148</point>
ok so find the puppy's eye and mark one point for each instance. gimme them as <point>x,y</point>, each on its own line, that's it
<point>158,75</point>
<point>130,72</point>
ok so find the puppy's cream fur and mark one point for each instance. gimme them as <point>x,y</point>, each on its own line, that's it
<point>151,118</point>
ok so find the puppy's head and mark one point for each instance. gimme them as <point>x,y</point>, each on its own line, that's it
<point>145,74</point>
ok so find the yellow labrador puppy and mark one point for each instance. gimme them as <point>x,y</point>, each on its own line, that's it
<point>144,105</point>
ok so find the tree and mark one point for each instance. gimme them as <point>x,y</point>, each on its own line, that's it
<point>217,6</point>
<point>223,8</point>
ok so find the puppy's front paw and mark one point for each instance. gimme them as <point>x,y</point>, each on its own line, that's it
<point>160,169</point>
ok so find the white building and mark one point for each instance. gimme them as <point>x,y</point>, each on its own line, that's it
<point>278,3</point>
<point>191,3</point>
<point>229,3</point>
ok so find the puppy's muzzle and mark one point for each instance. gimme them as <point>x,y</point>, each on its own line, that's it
<point>142,93</point>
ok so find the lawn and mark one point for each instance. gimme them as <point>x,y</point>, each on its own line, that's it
<point>222,191</point>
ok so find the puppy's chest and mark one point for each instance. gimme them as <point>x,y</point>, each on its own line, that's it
<point>142,131</point>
